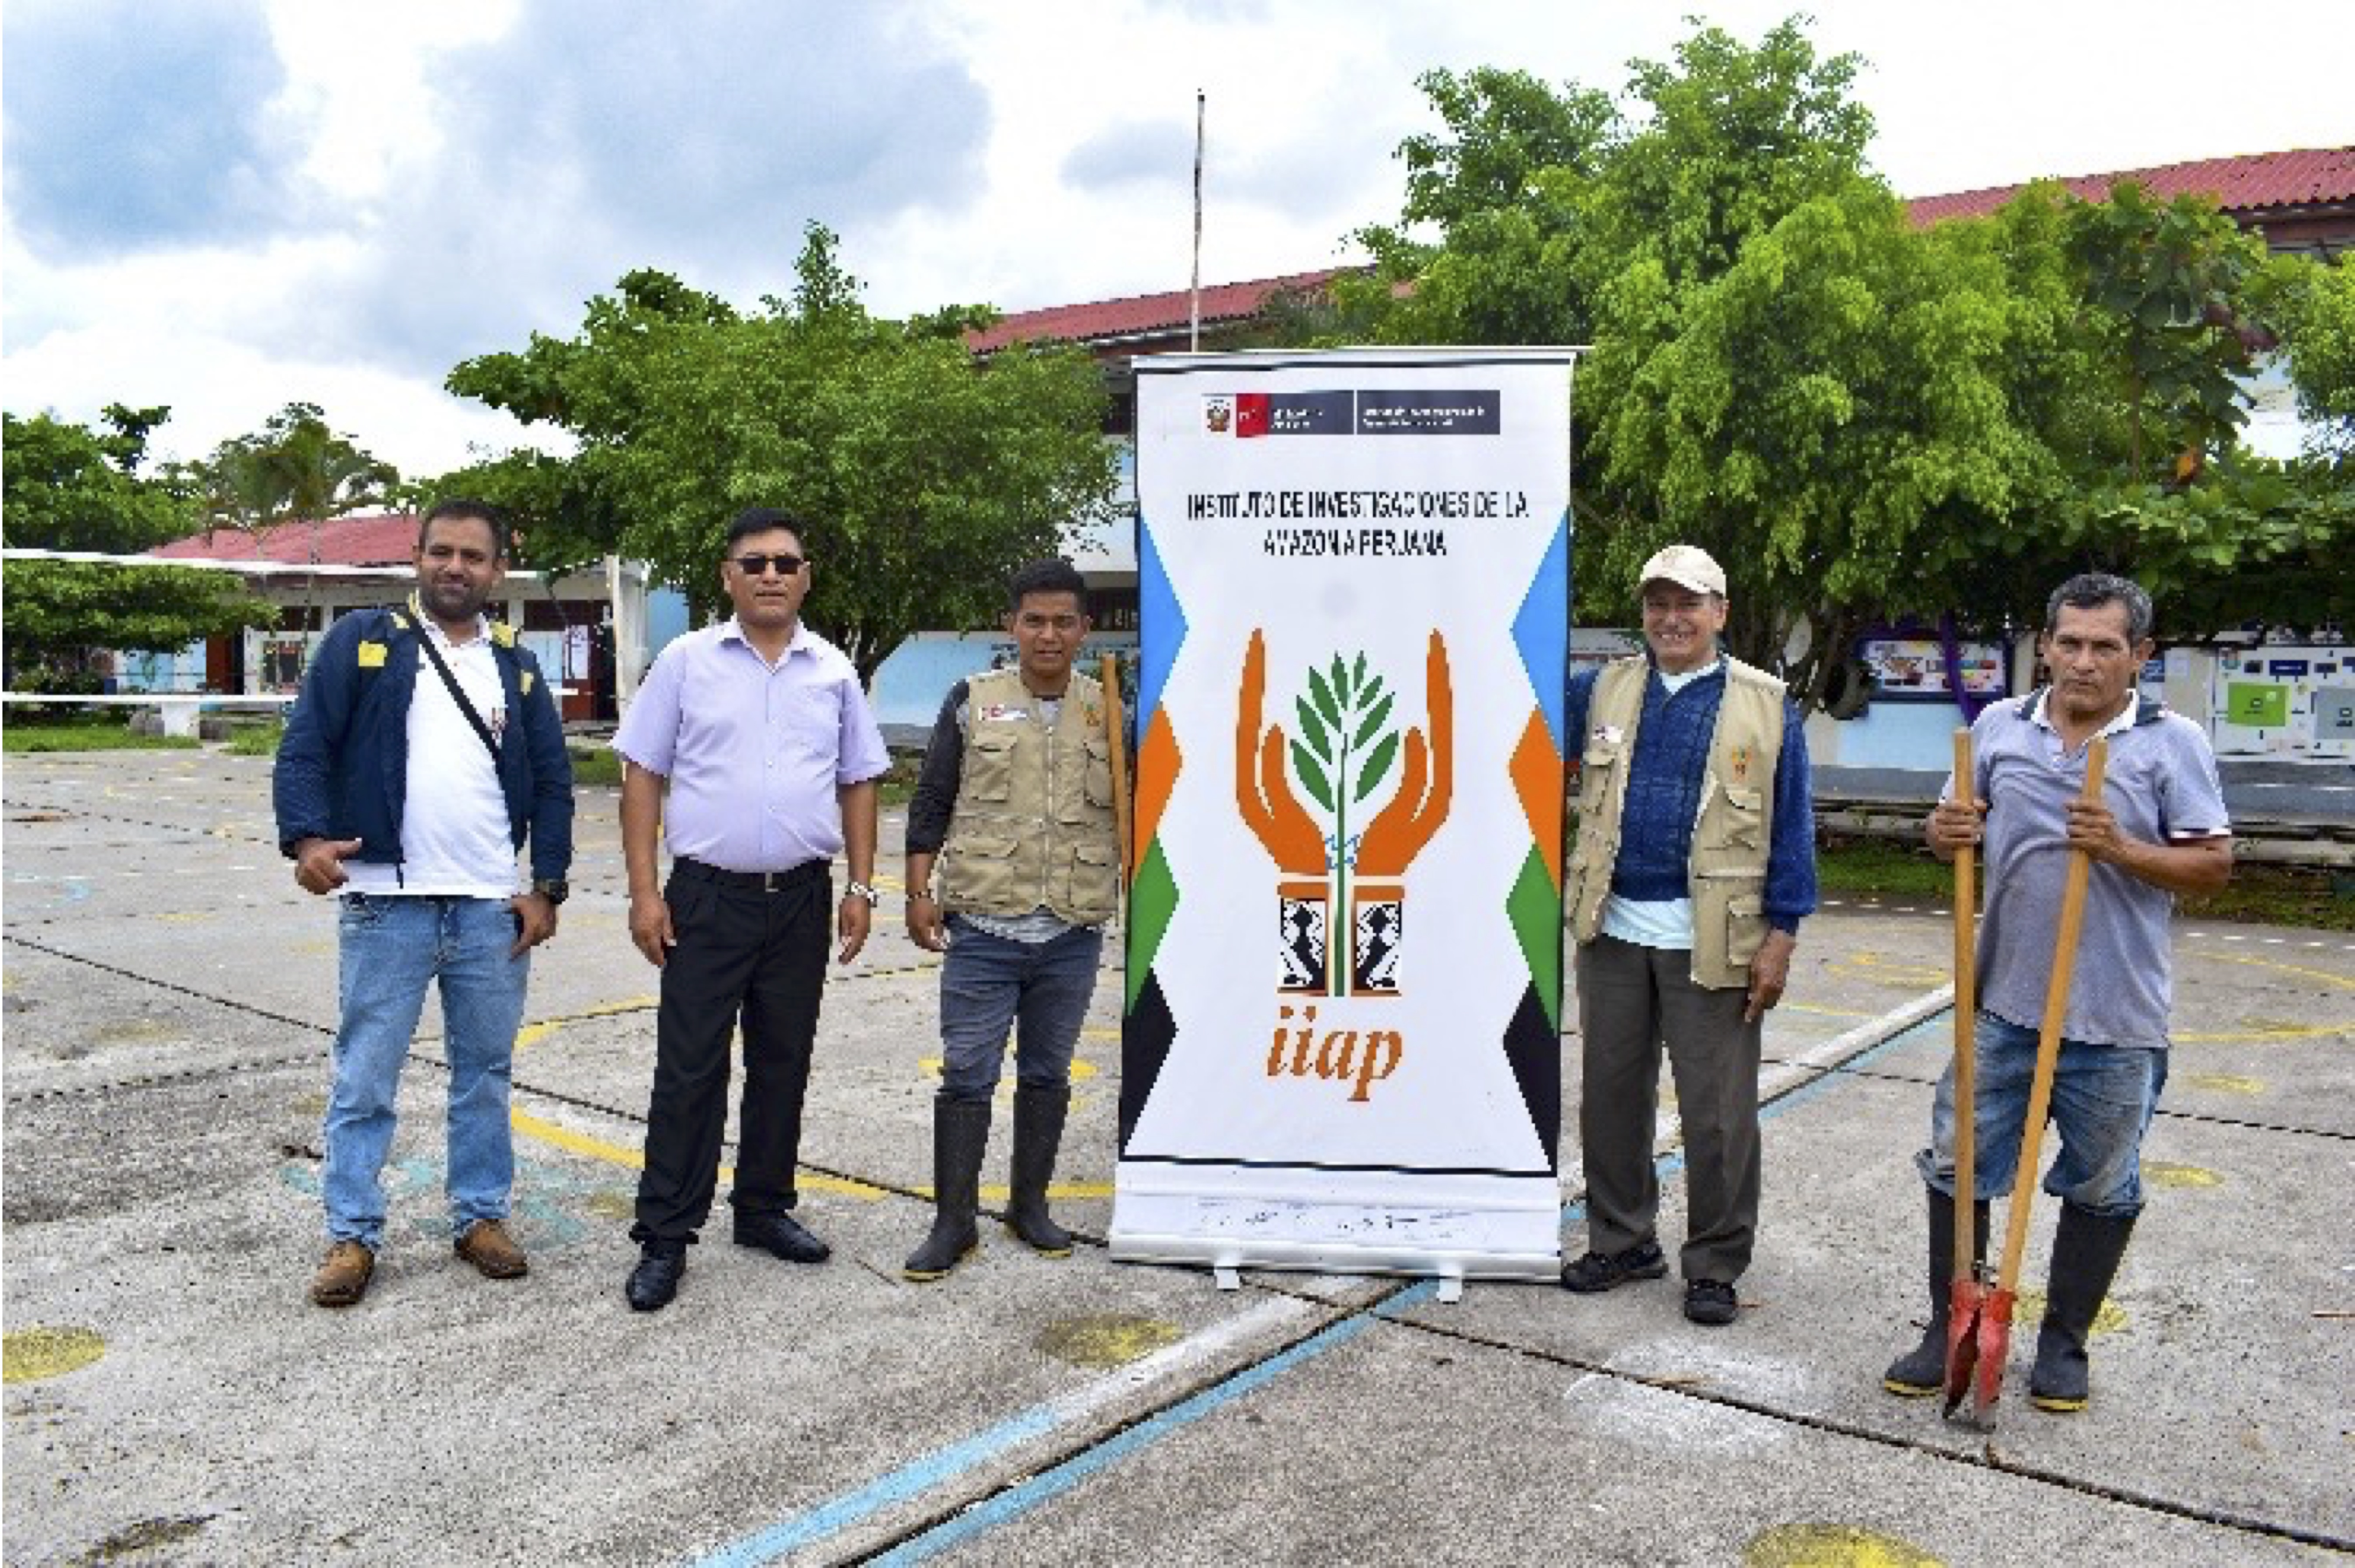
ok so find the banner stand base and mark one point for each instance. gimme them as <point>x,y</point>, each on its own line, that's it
<point>1448,1269</point>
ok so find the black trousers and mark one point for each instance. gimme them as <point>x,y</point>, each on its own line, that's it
<point>746,952</point>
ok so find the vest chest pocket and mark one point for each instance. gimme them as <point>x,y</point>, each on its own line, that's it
<point>1598,773</point>
<point>1741,822</point>
<point>1095,881</point>
<point>978,873</point>
<point>1746,929</point>
<point>1098,783</point>
<point>989,764</point>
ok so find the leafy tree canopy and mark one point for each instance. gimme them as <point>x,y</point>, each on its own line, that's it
<point>926,478</point>
<point>295,468</point>
<point>68,486</point>
<point>1862,419</point>
<point>72,488</point>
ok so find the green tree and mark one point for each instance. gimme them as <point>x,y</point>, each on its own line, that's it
<point>1485,245</point>
<point>296,468</point>
<point>71,487</point>
<point>68,486</point>
<point>2317,309</point>
<point>1862,419</point>
<point>926,477</point>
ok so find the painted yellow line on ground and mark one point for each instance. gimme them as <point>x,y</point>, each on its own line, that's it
<point>1873,967</point>
<point>2261,1036</point>
<point>532,1034</point>
<point>1825,1012</point>
<point>2325,975</point>
<point>565,1138</point>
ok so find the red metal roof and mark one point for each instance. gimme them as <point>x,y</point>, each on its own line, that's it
<point>1143,315</point>
<point>2255,185</point>
<point>385,539</point>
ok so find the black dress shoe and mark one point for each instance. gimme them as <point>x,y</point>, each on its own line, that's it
<point>783,1234</point>
<point>655,1279</point>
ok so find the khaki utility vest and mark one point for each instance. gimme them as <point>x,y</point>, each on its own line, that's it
<point>1033,823</point>
<point>1726,873</point>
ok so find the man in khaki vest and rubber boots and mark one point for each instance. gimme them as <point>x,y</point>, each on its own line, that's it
<point>1015,806</point>
<point>1694,863</point>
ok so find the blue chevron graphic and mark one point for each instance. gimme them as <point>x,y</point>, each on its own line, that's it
<point>1541,631</point>
<point>1161,625</point>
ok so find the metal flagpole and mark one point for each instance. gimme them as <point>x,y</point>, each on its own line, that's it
<point>1194,329</point>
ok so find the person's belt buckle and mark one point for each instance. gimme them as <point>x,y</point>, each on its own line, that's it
<point>772,881</point>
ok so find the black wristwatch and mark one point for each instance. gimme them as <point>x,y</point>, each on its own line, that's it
<point>555,891</point>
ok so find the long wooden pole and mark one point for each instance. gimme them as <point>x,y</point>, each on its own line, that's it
<point>1966,1026</point>
<point>1995,1323</point>
<point>1116,734</point>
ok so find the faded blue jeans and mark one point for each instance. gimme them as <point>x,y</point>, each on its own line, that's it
<point>1040,988</point>
<point>2103,1099</point>
<point>390,950</point>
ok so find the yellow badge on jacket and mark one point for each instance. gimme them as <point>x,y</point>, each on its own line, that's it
<point>371,655</point>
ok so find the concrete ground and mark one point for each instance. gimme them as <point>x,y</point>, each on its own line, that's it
<point>172,1397</point>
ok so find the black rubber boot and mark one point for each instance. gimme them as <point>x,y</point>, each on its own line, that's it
<point>1921,1371</point>
<point>1039,1112</point>
<point>2087,1250</point>
<point>960,1134</point>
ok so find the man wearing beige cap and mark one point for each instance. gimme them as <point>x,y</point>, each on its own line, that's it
<point>1693,865</point>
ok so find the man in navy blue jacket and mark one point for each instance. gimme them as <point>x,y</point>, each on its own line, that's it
<point>409,794</point>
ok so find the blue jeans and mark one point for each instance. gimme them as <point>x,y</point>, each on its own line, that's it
<point>389,950</point>
<point>2103,1099</point>
<point>990,983</point>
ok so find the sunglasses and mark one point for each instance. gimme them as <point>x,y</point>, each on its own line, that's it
<point>758,565</point>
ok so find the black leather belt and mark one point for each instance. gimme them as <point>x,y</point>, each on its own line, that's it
<point>755,881</point>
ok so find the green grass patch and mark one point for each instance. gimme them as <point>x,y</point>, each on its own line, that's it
<point>2258,894</point>
<point>595,766</point>
<point>87,735</point>
<point>255,740</point>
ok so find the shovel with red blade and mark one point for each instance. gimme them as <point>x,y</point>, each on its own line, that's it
<point>1977,1348</point>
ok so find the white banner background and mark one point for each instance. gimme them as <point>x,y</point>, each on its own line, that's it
<point>1434,1164</point>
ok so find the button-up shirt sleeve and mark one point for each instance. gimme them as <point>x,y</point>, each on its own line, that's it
<point>648,735</point>
<point>860,752</point>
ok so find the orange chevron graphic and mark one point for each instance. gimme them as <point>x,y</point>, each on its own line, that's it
<point>1157,762</point>
<point>1536,779</point>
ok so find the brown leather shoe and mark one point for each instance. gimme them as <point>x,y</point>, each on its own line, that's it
<point>344,1277</point>
<point>489,1248</point>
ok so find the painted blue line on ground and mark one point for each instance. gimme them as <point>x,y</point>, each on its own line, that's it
<point>1020,1499</point>
<point>910,1479</point>
<point>896,1485</point>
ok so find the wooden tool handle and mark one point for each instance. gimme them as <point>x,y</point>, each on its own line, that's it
<point>1116,732</point>
<point>1965,1024</point>
<point>2048,1041</point>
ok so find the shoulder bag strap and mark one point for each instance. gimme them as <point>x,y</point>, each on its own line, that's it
<point>442,667</point>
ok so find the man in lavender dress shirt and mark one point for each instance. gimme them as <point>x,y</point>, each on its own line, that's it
<point>761,733</point>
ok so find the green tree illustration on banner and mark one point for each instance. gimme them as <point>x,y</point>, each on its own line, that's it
<point>1344,750</point>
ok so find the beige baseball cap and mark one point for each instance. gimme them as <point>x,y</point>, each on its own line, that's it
<point>1686,566</point>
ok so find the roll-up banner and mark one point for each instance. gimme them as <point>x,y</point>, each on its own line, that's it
<point>1341,1041</point>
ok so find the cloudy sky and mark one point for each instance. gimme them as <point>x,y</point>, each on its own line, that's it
<point>228,205</point>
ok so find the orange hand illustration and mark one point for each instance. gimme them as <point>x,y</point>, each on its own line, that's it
<point>1263,790</point>
<point>1408,822</point>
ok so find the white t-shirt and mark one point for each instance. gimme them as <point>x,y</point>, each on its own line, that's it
<point>453,824</point>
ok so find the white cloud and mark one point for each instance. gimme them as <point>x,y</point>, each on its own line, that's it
<point>402,187</point>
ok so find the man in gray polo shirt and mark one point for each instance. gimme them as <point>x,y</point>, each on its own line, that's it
<point>2159,829</point>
